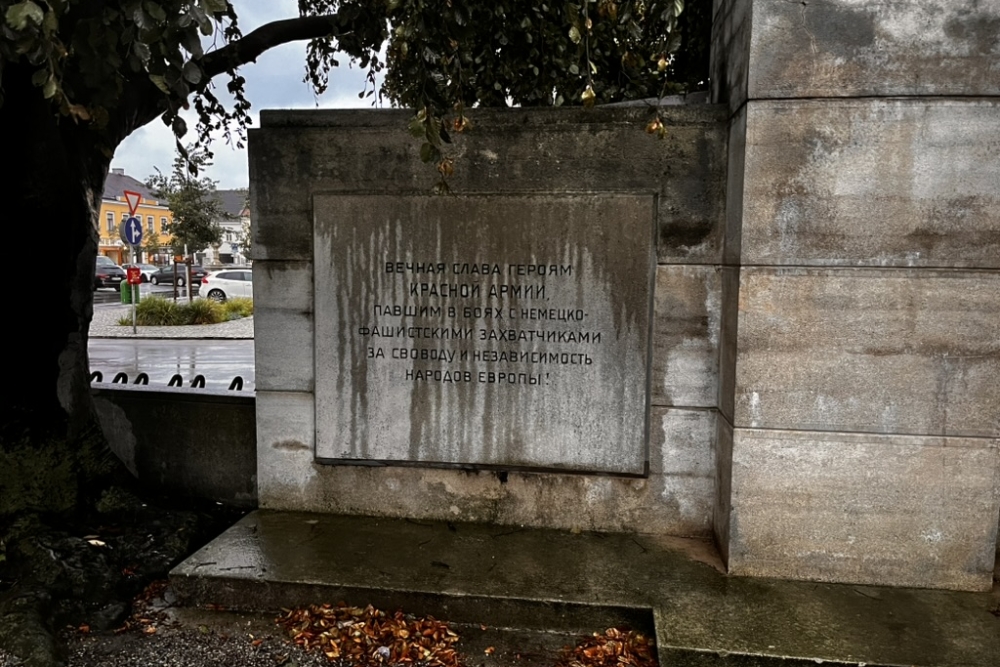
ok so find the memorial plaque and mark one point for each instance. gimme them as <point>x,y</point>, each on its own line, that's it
<point>494,330</point>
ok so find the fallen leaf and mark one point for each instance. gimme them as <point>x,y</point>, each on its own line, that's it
<point>150,630</point>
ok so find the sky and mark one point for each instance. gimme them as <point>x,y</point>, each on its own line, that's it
<point>273,82</point>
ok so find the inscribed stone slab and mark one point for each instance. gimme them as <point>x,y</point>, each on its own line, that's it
<point>504,330</point>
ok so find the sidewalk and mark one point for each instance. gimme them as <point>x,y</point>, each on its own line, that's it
<point>105,325</point>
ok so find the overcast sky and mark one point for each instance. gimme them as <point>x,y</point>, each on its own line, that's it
<point>273,82</point>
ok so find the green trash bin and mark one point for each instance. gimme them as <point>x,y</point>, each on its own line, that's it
<point>126,292</point>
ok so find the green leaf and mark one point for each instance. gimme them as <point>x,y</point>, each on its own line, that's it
<point>214,6</point>
<point>160,83</point>
<point>19,14</point>
<point>678,7</point>
<point>428,152</point>
<point>417,129</point>
<point>49,89</point>
<point>191,72</point>
<point>155,10</point>
<point>141,50</point>
<point>51,22</point>
<point>179,126</point>
<point>574,35</point>
<point>142,19</point>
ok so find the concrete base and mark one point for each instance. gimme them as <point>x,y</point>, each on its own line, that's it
<point>529,578</point>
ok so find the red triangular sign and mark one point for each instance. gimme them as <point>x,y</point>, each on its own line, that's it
<point>133,199</point>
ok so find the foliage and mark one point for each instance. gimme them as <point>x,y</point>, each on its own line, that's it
<point>245,239</point>
<point>156,312</point>
<point>193,202</point>
<point>159,312</point>
<point>203,311</point>
<point>117,65</point>
<point>151,245</point>
<point>47,476</point>
<point>237,307</point>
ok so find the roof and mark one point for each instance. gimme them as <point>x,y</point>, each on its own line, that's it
<point>118,182</point>
<point>234,202</point>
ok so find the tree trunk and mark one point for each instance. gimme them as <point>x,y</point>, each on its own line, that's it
<point>51,196</point>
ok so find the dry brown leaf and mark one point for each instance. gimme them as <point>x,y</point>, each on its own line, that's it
<point>612,648</point>
<point>370,637</point>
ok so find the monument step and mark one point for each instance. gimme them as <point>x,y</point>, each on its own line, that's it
<point>545,580</point>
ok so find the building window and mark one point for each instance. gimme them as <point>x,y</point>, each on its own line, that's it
<point>111,221</point>
<point>163,225</point>
<point>149,224</point>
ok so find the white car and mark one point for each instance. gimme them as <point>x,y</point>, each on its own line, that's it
<point>227,284</point>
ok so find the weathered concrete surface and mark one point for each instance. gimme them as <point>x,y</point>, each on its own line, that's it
<point>871,183</point>
<point>736,188</point>
<point>199,445</point>
<point>728,341</point>
<point>507,330</point>
<point>675,499</point>
<point>730,66</point>
<point>686,336</point>
<point>512,578</point>
<point>283,321</point>
<point>881,351</point>
<point>862,48</point>
<point>768,49</point>
<point>296,154</point>
<point>865,508</point>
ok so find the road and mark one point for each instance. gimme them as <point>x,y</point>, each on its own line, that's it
<point>218,360</point>
<point>108,295</point>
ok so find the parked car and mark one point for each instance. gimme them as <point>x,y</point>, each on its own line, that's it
<point>166,275</point>
<point>108,275</point>
<point>145,270</point>
<point>229,283</point>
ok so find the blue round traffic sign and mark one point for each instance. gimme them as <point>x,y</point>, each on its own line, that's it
<point>132,232</point>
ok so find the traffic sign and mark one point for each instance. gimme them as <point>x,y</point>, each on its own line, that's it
<point>134,275</point>
<point>133,199</point>
<point>131,231</point>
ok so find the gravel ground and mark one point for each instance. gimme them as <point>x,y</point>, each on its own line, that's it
<point>161,635</point>
<point>181,645</point>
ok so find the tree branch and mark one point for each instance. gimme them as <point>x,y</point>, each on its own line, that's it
<point>276,33</point>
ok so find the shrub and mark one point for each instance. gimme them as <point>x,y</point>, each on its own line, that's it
<point>157,312</point>
<point>202,311</point>
<point>238,307</point>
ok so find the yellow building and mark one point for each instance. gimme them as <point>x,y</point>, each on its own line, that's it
<point>154,215</point>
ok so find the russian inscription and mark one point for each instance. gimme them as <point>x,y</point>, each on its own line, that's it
<point>508,331</point>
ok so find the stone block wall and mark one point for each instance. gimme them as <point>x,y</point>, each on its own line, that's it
<point>861,316</point>
<point>299,157</point>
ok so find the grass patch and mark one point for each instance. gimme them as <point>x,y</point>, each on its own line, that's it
<point>238,307</point>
